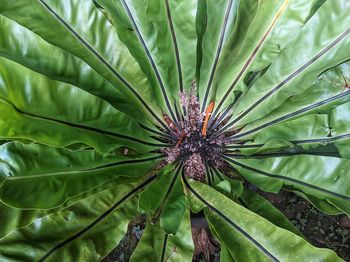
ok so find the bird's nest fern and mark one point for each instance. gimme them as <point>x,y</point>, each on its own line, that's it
<point>164,107</point>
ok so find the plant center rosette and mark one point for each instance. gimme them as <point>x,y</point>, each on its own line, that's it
<point>199,142</point>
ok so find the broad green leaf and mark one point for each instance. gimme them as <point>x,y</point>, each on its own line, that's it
<point>251,237</point>
<point>259,205</point>
<point>68,30</point>
<point>310,126</point>
<point>141,33</point>
<point>231,187</point>
<point>28,159</point>
<point>322,205</point>
<point>164,34</point>
<point>251,38</point>
<point>344,147</point>
<point>115,13</point>
<point>44,58</point>
<point>174,210</point>
<point>201,25</point>
<point>85,231</point>
<point>317,48</point>
<point>224,186</point>
<point>183,15</point>
<point>152,196</point>
<point>340,126</point>
<point>42,99</point>
<point>339,120</point>
<point>250,148</point>
<point>225,255</point>
<point>13,218</point>
<point>220,17</point>
<point>44,186</point>
<point>319,176</point>
<point>323,96</point>
<point>164,200</point>
<point>17,125</point>
<point>156,245</point>
<point>278,129</point>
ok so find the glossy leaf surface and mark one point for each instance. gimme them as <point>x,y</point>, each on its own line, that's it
<point>251,236</point>
<point>157,245</point>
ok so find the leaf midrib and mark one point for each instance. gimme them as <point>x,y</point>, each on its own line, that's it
<point>286,80</point>
<point>151,60</point>
<point>293,114</point>
<point>252,55</point>
<point>102,60</point>
<point>82,171</point>
<point>293,180</point>
<point>99,219</point>
<point>229,221</point>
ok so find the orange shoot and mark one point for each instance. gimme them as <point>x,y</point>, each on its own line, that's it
<point>181,137</point>
<point>207,115</point>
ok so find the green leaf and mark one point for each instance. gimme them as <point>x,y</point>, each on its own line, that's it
<point>156,245</point>
<point>29,182</point>
<point>44,58</point>
<point>340,126</point>
<point>16,125</point>
<point>251,237</point>
<point>310,126</point>
<point>51,108</point>
<point>259,205</point>
<point>224,186</point>
<point>87,230</point>
<point>322,205</point>
<point>13,218</point>
<point>317,48</point>
<point>93,46</point>
<point>165,199</point>
<point>319,176</point>
<point>231,187</point>
<point>174,210</point>
<point>225,255</point>
<point>322,97</point>
<point>250,40</point>
<point>277,129</point>
<point>164,34</point>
